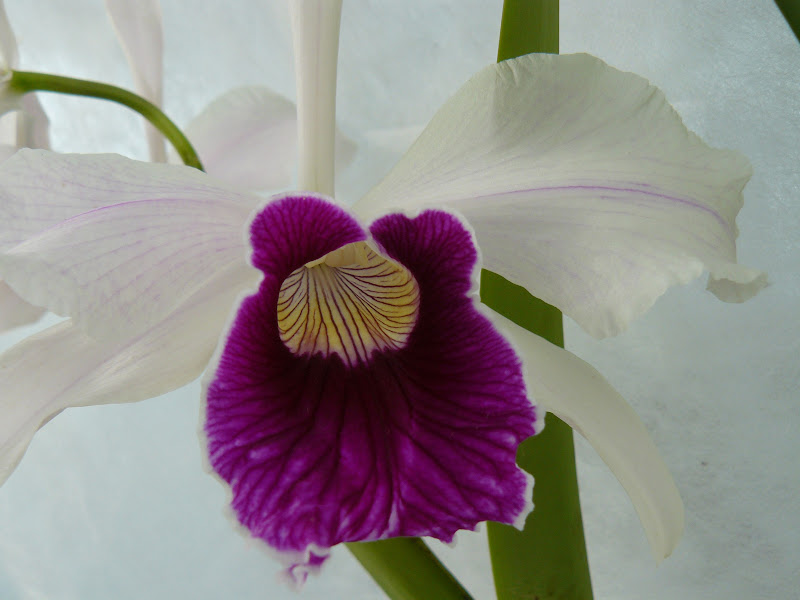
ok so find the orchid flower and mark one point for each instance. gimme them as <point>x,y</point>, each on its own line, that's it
<point>23,125</point>
<point>355,388</point>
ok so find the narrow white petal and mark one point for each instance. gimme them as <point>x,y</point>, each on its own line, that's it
<point>575,392</point>
<point>582,185</point>
<point>139,29</point>
<point>33,126</point>
<point>9,58</point>
<point>345,150</point>
<point>25,126</point>
<point>315,27</point>
<point>8,101</point>
<point>14,311</point>
<point>247,137</point>
<point>7,151</point>
<point>40,189</point>
<point>8,45</point>
<point>62,367</point>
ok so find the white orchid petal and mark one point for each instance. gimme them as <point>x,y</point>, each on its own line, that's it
<point>575,392</point>
<point>582,185</point>
<point>735,283</point>
<point>24,126</point>
<point>40,189</point>
<point>9,58</point>
<point>33,126</point>
<point>8,44</point>
<point>139,29</point>
<point>315,25</point>
<point>14,311</point>
<point>6,152</point>
<point>247,137</point>
<point>119,269</point>
<point>345,150</point>
<point>9,101</point>
<point>62,367</point>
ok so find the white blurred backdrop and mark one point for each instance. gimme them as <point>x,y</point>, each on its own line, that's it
<point>112,502</point>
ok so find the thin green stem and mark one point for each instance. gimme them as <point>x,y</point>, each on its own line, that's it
<point>406,569</point>
<point>791,12</point>
<point>23,82</point>
<point>547,560</point>
<point>528,26</point>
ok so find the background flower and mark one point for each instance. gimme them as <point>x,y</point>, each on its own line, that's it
<point>24,126</point>
<point>237,133</point>
<point>740,423</point>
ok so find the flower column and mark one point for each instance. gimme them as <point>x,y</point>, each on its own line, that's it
<point>315,28</point>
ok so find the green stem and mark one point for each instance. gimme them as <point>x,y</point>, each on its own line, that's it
<point>547,560</point>
<point>23,82</point>
<point>528,26</point>
<point>791,12</point>
<point>406,569</point>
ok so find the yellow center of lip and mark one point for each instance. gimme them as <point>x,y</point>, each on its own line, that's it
<point>351,302</point>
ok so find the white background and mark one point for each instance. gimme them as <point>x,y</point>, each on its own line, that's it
<point>111,502</point>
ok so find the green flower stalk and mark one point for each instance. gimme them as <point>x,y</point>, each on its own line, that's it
<point>23,82</point>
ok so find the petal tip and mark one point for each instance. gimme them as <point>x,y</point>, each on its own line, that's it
<point>299,565</point>
<point>664,542</point>
<point>736,284</point>
<point>527,509</point>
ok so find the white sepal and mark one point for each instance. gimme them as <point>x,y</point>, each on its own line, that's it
<point>575,392</point>
<point>138,24</point>
<point>63,367</point>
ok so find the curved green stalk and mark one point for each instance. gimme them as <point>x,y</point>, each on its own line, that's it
<point>23,82</point>
<point>406,569</point>
<point>547,560</point>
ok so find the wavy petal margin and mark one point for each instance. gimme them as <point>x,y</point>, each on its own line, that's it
<point>419,440</point>
<point>583,186</point>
